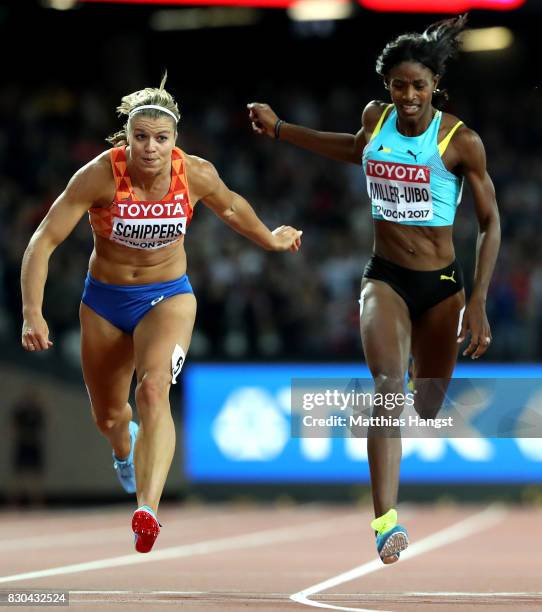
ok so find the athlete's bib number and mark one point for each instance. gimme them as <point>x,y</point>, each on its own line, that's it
<point>148,225</point>
<point>399,192</point>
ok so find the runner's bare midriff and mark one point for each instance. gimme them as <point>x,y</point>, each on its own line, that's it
<point>414,247</point>
<point>119,265</point>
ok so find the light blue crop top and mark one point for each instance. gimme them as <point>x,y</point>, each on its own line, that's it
<point>407,181</point>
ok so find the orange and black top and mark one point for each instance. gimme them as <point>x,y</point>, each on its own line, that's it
<point>144,225</point>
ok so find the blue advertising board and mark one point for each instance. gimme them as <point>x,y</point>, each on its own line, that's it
<point>238,429</point>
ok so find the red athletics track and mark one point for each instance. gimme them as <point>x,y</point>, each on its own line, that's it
<point>224,557</point>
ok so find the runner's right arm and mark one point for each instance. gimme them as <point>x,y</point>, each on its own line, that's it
<point>340,147</point>
<point>62,217</point>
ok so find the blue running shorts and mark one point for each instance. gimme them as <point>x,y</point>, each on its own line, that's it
<point>125,305</point>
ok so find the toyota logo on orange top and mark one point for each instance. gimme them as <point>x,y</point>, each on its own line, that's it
<point>440,6</point>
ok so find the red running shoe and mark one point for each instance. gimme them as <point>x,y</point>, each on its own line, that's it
<point>146,528</point>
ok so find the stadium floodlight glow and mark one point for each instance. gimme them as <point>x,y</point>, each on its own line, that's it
<point>201,18</point>
<point>487,39</point>
<point>320,10</point>
<point>59,5</point>
<point>440,6</point>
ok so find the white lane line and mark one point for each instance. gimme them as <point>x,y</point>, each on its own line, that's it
<point>229,597</point>
<point>373,595</point>
<point>477,594</point>
<point>249,540</point>
<point>393,596</point>
<point>138,593</point>
<point>492,515</point>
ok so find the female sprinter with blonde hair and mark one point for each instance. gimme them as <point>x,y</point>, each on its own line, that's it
<point>138,308</point>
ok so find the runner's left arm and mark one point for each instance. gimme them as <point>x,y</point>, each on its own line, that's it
<point>236,211</point>
<point>472,159</point>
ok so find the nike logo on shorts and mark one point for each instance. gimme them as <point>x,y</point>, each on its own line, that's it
<point>156,300</point>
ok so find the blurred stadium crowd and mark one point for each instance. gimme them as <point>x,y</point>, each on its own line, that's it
<point>253,304</point>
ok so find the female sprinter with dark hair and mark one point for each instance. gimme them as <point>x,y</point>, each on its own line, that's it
<point>138,308</point>
<point>412,301</point>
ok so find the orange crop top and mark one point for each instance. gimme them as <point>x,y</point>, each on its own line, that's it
<point>144,225</point>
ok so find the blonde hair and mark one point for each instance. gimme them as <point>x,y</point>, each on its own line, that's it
<point>150,95</point>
